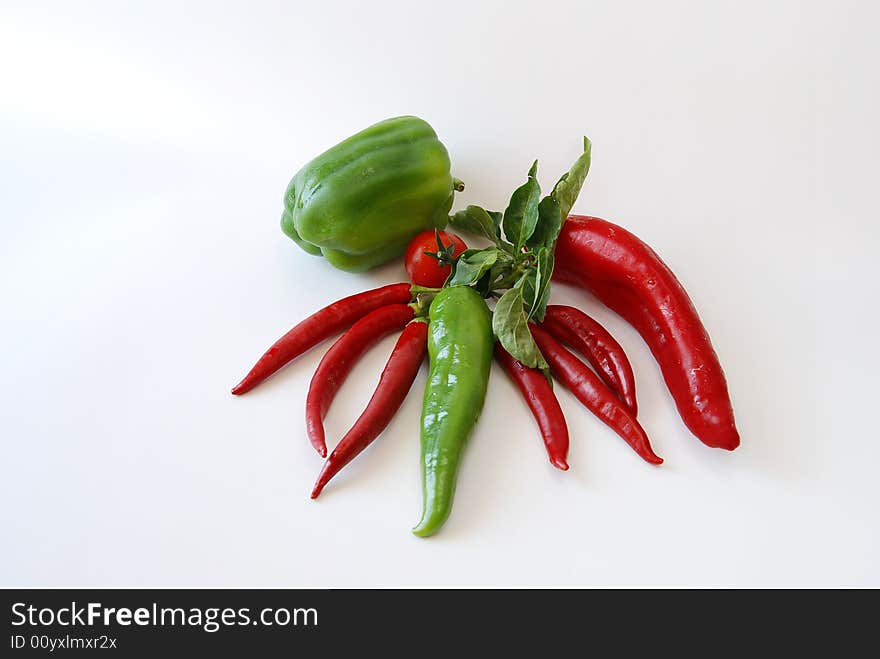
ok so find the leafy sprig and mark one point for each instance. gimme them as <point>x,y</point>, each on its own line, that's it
<point>518,266</point>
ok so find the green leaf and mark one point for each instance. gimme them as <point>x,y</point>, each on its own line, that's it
<point>472,265</point>
<point>567,189</point>
<point>528,284</point>
<point>549,225</point>
<point>511,328</point>
<point>544,273</point>
<point>499,269</point>
<point>496,218</point>
<point>521,214</point>
<point>502,267</point>
<point>535,285</point>
<point>474,219</point>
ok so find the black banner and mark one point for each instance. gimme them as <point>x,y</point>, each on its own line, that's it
<point>146,622</point>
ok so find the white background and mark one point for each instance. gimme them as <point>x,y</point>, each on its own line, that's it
<point>145,150</point>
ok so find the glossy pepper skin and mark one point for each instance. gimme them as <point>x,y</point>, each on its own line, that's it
<point>630,278</point>
<point>320,326</point>
<point>394,384</point>
<point>538,394</point>
<point>360,202</point>
<point>460,345</point>
<point>605,354</point>
<point>342,356</point>
<point>595,396</point>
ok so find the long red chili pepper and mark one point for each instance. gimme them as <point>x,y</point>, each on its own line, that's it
<point>630,278</point>
<point>394,384</point>
<point>542,402</point>
<point>588,337</point>
<point>320,326</point>
<point>341,358</point>
<point>593,393</point>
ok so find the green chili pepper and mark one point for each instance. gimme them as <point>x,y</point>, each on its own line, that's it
<point>361,202</point>
<point>460,347</point>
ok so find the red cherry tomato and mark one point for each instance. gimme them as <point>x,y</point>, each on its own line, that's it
<point>424,270</point>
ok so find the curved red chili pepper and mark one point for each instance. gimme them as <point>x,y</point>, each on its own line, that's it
<point>542,402</point>
<point>394,384</point>
<point>320,326</point>
<point>341,358</point>
<point>630,278</point>
<point>588,337</point>
<point>593,393</point>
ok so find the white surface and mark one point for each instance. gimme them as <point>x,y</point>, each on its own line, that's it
<point>145,152</point>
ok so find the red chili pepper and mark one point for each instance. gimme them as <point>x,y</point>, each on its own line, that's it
<point>542,402</point>
<point>320,326</point>
<point>593,393</point>
<point>341,358</point>
<point>588,337</point>
<point>394,384</point>
<point>630,278</point>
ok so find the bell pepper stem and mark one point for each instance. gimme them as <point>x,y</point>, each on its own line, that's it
<point>457,184</point>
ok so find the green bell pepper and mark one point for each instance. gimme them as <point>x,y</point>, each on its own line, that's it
<point>361,202</point>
